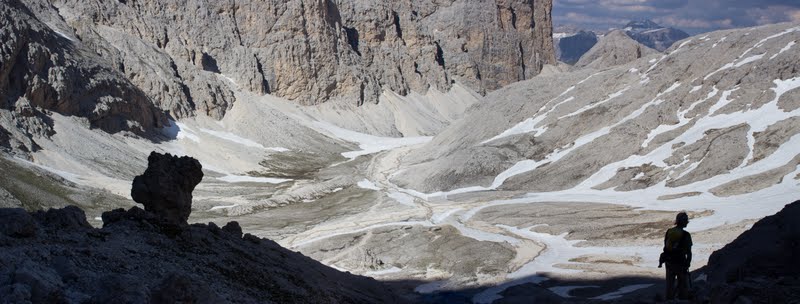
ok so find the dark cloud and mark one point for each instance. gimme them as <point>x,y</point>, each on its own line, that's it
<point>691,16</point>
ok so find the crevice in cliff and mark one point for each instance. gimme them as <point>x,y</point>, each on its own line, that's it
<point>184,87</point>
<point>236,30</point>
<point>397,28</point>
<point>352,38</point>
<point>522,60</point>
<point>439,55</point>
<point>264,83</point>
<point>361,95</point>
<point>513,18</point>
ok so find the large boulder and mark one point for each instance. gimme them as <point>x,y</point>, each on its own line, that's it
<point>165,188</point>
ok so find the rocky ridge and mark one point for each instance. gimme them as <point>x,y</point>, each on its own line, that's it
<point>615,48</point>
<point>140,256</point>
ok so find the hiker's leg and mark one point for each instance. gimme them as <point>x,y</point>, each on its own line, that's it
<point>670,293</point>
<point>683,285</point>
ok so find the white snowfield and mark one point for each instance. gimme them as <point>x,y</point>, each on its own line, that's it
<point>369,144</point>
<point>252,179</point>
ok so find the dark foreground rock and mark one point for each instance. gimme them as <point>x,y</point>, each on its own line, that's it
<point>56,257</point>
<point>761,265</point>
<point>154,256</point>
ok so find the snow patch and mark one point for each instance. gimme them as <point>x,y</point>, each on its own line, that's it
<point>383,272</point>
<point>596,104</point>
<point>252,179</point>
<point>233,138</point>
<point>558,250</point>
<point>402,198</point>
<point>682,119</point>
<point>529,125</point>
<point>722,102</point>
<point>784,49</point>
<point>562,35</point>
<point>60,33</point>
<point>749,60</point>
<point>366,184</point>
<point>181,131</point>
<point>222,207</point>
<point>718,42</point>
<point>369,144</point>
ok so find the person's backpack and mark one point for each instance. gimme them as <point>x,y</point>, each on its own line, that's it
<point>673,247</point>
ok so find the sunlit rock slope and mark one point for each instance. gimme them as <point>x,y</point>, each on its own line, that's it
<point>716,116</point>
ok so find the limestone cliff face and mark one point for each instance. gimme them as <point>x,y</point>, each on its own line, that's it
<point>182,52</point>
<point>42,71</point>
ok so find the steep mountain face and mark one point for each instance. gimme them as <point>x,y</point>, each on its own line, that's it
<point>129,65</point>
<point>653,35</point>
<point>42,71</point>
<point>670,124</point>
<point>571,48</point>
<point>615,48</point>
<point>313,51</point>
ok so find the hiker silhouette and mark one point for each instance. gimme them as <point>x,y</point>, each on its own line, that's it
<point>678,256</point>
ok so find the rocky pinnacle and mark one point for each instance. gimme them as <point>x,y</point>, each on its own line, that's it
<point>165,188</point>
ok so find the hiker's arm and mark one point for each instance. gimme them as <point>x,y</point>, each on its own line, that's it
<point>689,251</point>
<point>688,258</point>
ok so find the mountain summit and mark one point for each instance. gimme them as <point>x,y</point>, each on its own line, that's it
<point>641,25</point>
<point>653,35</point>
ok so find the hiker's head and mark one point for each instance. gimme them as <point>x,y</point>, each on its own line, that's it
<point>682,219</point>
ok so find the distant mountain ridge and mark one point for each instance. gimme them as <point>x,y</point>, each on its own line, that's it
<point>571,42</point>
<point>641,25</point>
<point>654,35</point>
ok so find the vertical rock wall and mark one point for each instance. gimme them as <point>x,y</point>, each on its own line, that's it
<point>311,51</point>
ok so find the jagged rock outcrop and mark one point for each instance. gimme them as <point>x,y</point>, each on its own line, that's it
<point>55,256</point>
<point>615,48</point>
<point>312,51</point>
<point>760,266</point>
<point>42,72</point>
<point>165,188</point>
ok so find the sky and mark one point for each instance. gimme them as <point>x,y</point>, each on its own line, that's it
<point>692,16</point>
